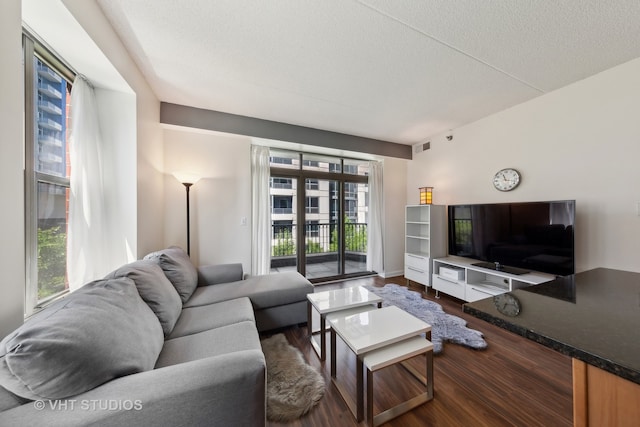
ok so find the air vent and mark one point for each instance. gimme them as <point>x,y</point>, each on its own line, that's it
<point>418,148</point>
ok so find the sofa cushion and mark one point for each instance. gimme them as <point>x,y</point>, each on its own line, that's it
<point>264,291</point>
<point>155,289</point>
<point>100,332</point>
<point>9,400</point>
<point>178,268</point>
<point>198,319</point>
<point>219,273</point>
<point>213,342</point>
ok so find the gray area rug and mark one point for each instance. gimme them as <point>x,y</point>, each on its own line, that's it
<point>444,327</point>
<point>293,386</point>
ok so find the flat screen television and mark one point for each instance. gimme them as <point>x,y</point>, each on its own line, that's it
<point>515,237</point>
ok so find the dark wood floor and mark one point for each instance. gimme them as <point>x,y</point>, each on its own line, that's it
<point>514,382</point>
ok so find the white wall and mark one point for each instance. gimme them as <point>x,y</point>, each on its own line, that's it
<point>149,204</point>
<point>11,168</point>
<point>223,197</point>
<point>218,201</point>
<point>117,116</point>
<point>395,184</point>
<point>580,142</point>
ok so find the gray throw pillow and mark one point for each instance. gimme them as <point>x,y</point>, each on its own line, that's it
<point>178,268</point>
<point>155,289</point>
<point>102,331</point>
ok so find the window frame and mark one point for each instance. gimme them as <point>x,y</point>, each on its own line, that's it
<point>312,204</point>
<point>33,47</point>
<point>334,173</point>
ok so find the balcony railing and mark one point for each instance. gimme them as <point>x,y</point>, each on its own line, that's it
<point>319,238</point>
<point>281,210</point>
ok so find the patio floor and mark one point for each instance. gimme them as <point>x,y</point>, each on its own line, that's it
<point>326,269</point>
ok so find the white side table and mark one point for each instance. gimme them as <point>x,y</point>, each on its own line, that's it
<point>398,353</point>
<point>366,332</point>
<point>356,298</point>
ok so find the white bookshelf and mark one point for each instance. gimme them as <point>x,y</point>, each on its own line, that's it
<point>425,238</point>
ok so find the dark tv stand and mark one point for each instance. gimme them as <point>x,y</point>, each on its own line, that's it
<point>500,267</point>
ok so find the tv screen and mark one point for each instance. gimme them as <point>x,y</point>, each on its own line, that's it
<point>530,236</point>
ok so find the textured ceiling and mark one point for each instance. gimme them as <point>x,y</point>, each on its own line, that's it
<point>397,70</point>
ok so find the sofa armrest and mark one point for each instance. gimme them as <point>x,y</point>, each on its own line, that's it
<point>219,273</point>
<point>225,390</point>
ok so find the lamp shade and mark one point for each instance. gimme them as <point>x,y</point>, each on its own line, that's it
<point>186,177</point>
<point>426,195</point>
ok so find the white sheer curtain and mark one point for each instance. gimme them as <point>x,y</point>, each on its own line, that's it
<point>375,252</point>
<point>86,237</point>
<point>260,211</point>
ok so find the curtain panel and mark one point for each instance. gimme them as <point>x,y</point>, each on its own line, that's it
<point>260,211</point>
<point>375,252</point>
<point>86,236</point>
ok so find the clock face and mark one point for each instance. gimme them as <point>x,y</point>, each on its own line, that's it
<point>506,179</point>
<point>507,304</point>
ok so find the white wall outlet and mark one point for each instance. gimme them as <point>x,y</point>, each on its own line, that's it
<point>243,220</point>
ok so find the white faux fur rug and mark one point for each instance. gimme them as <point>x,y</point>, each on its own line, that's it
<point>293,386</point>
<point>444,327</point>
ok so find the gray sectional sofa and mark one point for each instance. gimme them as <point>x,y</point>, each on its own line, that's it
<point>155,343</point>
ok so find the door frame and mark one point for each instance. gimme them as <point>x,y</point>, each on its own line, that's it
<point>301,174</point>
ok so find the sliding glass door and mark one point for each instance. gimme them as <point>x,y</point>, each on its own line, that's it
<point>329,197</point>
<point>321,229</point>
<point>283,223</point>
<point>356,207</point>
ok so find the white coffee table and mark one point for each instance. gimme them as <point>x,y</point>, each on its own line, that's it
<point>366,332</point>
<point>353,299</point>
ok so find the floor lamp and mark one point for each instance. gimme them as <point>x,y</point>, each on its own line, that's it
<point>187,180</point>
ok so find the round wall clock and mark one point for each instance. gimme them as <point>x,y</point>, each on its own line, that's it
<point>506,179</point>
<point>507,304</point>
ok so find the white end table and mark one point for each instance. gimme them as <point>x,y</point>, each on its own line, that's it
<point>354,298</point>
<point>369,331</point>
<point>390,355</point>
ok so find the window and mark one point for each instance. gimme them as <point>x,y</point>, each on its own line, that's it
<point>281,160</point>
<point>284,159</point>
<point>313,228</point>
<point>282,204</point>
<point>312,205</point>
<point>328,227</point>
<point>282,228</point>
<point>316,162</point>
<point>350,191</point>
<point>47,122</point>
<point>356,167</point>
<point>351,209</point>
<point>286,183</point>
<point>312,184</point>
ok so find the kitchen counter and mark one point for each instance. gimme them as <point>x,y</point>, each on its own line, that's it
<point>593,316</point>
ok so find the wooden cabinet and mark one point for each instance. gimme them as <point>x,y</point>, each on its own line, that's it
<point>425,239</point>
<point>603,399</point>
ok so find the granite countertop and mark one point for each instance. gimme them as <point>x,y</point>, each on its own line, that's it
<point>593,316</point>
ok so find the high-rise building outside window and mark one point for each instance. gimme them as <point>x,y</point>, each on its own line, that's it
<point>47,124</point>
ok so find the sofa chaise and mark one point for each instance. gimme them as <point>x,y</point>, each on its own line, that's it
<point>156,342</point>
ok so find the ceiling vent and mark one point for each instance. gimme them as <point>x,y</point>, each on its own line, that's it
<point>419,148</point>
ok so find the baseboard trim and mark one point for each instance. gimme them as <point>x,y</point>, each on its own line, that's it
<point>386,275</point>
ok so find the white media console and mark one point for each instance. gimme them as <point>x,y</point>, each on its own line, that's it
<point>458,277</point>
